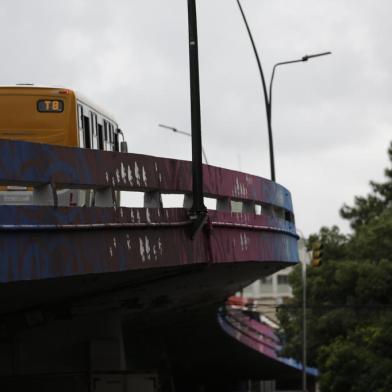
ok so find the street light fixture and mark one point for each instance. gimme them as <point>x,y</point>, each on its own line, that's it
<point>183,133</point>
<point>268,96</point>
<point>303,59</point>
<point>269,99</point>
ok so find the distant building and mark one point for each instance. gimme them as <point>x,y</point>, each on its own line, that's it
<point>271,291</point>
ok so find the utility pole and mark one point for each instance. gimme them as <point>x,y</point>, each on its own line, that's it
<point>198,211</point>
<point>268,96</point>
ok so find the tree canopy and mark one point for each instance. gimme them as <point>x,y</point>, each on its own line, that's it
<point>349,307</point>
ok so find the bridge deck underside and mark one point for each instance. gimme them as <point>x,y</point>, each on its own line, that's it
<point>201,353</point>
<point>90,251</point>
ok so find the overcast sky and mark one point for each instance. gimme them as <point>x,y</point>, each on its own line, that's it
<point>332,116</point>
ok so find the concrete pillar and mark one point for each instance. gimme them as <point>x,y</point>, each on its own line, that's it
<point>81,354</point>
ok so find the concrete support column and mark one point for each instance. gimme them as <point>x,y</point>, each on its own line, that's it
<point>81,354</point>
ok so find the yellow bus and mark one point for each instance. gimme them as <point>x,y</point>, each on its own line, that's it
<point>58,116</point>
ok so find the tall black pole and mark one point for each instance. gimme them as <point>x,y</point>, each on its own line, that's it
<point>266,99</point>
<point>198,209</point>
<point>304,329</point>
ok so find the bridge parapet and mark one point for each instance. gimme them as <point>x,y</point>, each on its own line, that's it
<point>50,168</point>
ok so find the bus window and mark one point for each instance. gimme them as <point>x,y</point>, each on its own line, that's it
<point>116,142</point>
<point>111,134</point>
<point>80,116</point>
<point>100,137</point>
<point>94,140</point>
<point>80,126</point>
<point>105,126</point>
<point>87,135</point>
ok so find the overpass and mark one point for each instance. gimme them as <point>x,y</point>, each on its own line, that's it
<point>108,298</point>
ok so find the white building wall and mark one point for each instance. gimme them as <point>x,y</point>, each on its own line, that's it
<point>271,291</point>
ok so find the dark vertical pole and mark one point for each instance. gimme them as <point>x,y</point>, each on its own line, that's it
<point>198,207</point>
<point>304,329</point>
<point>266,98</point>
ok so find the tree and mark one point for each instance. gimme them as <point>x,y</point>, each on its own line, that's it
<point>367,208</point>
<point>373,241</point>
<point>333,240</point>
<point>349,313</point>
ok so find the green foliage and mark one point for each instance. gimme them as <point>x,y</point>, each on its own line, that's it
<point>333,240</point>
<point>367,208</point>
<point>373,241</point>
<point>349,306</point>
<point>352,366</point>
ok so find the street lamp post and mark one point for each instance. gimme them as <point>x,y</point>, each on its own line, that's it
<point>266,100</point>
<point>304,329</point>
<point>268,95</point>
<point>269,101</point>
<point>186,134</point>
<point>304,260</point>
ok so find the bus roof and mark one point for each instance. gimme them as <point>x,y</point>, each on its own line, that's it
<point>79,96</point>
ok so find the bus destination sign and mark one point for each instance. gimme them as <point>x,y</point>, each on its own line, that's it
<point>50,106</point>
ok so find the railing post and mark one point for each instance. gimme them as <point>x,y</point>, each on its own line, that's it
<point>188,200</point>
<point>223,204</point>
<point>153,199</point>
<point>45,195</point>
<point>104,197</point>
<point>248,207</point>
